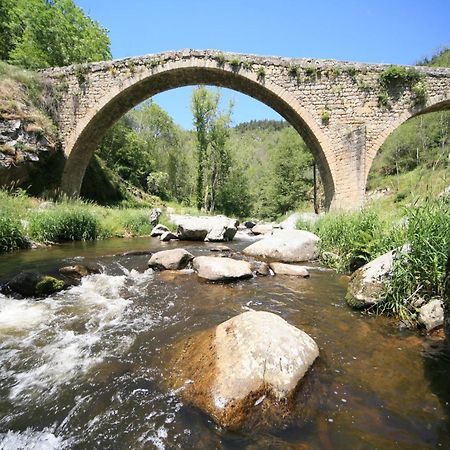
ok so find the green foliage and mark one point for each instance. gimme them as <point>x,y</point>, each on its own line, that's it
<point>440,59</point>
<point>220,58</point>
<point>235,64</point>
<point>398,75</point>
<point>287,180</point>
<point>333,72</point>
<point>356,238</point>
<point>11,232</point>
<point>80,72</point>
<point>66,222</point>
<point>157,184</point>
<point>294,70</point>
<point>419,91</point>
<point>261,74</point>
<point>41,33</point>
<point>311,72</point>
<point>383,98</point>
<point>136,221</point>
<point>325,117</point>
<point>351,71</point>
<point>49,285</point>
<point>420,272</point>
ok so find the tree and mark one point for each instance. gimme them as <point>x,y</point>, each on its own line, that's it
<point>41,33</point>
<point>213,159</point>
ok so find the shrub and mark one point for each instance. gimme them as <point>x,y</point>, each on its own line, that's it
<point>419,92</point>
<point>235,64</point>
<point>64,223</point>
<point>325,117</point>
<point>11,232</point>
<point>294,70</point>
<point>220,58</point>
<point>261,74</point>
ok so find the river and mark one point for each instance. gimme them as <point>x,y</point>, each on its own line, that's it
<point>87,368</point>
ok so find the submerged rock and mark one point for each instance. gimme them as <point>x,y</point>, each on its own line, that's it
<point>286,246</point>
<point>260,268</point>
<point>247,366</point>
<point>174,259</point>
<point>431,315</point>
<point>221,269</point>
<point>220,249</point>
<point>289,269</point>
<point>77,271</point>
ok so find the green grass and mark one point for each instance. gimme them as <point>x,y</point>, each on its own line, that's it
<point>419,274</point>
<point>12,236</point>
<point>65,222</point>
<point>354,238</point>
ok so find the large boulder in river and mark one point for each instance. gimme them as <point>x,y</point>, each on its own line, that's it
<point>175,259</point>
<point>264,228</point>
<point>245,368</point>
<point>221,269</point>
<point>212,229</point>
<point>367,284</point>
<point>286,246</point>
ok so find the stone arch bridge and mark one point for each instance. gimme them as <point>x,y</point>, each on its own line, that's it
<point>339,108</point>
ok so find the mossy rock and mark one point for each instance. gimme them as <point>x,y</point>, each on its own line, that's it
<point>49,285</point>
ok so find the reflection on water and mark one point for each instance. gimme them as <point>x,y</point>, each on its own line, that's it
<point>87,368</point>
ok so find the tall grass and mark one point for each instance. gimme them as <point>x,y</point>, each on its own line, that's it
<point>11,232</point>
<point>350,240</point>
<point>63,223</point>
<point>419,274</point>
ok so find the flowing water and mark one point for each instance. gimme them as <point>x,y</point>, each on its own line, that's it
<point>87,368</point>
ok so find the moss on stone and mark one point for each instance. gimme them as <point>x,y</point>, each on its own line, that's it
<point>49,285</point>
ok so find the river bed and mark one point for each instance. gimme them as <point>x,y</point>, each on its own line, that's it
<point>87,368</point>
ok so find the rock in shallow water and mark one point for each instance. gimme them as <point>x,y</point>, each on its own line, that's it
<point>431,315</point>
<point>174,259</point>
<point>289,269</point>
<point>286,246</point>
<point>367,283</point>
<point>221,269</point>
<point>248,365</point>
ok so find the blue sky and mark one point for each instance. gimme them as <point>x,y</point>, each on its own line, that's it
<point>394,31</point>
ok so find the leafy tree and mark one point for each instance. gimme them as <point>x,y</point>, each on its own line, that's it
<point>40,33</point>
<point>213,159</point>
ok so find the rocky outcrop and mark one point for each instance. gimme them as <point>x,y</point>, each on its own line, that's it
<point>221,269</point>
<point>289,269</point>
<point>431,315</point>
<point>246,369</point>
<point>286,246</point>
<point>174,259</point>
<point>24,148</point>
<point>210,229</point>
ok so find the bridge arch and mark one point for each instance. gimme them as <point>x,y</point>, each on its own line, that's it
<point>146,82</point>
<point>431,106</point>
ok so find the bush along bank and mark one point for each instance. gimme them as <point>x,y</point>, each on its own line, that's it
<point>398,265</point>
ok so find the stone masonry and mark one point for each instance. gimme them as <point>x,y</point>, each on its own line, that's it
<point>333,105</point>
